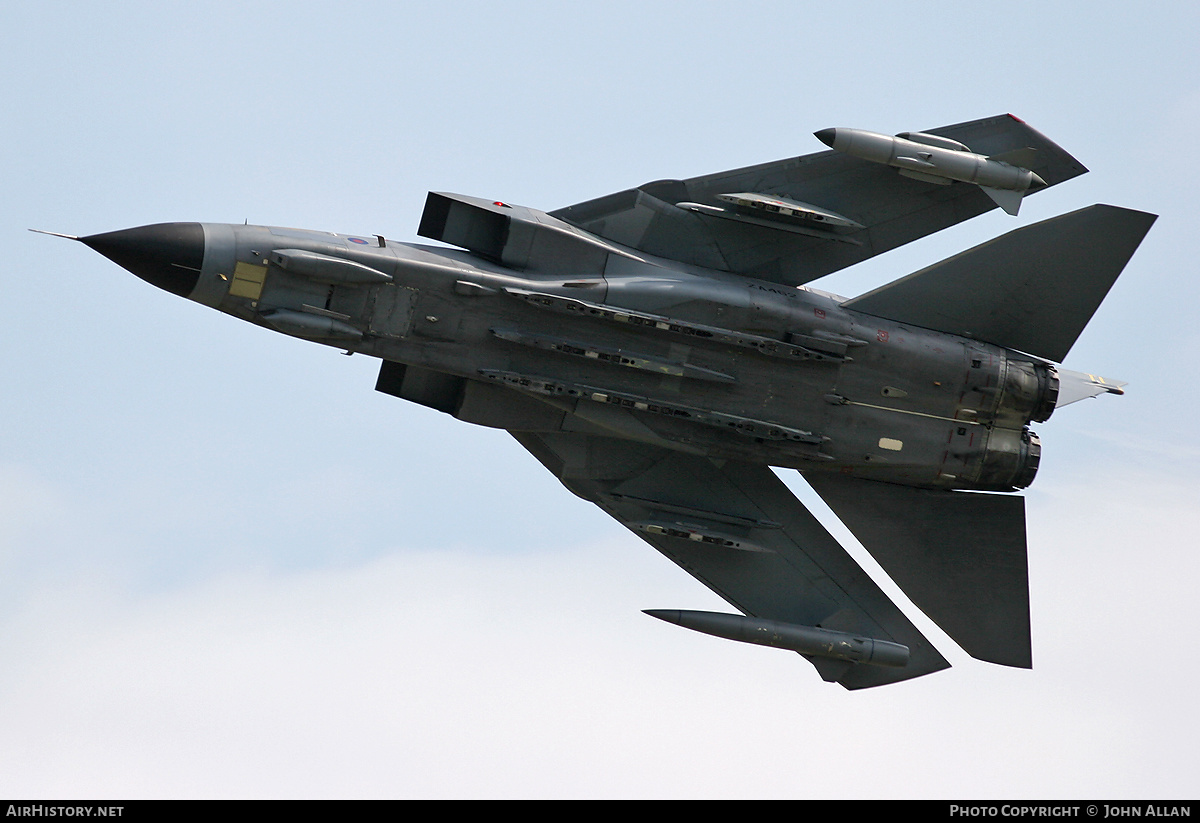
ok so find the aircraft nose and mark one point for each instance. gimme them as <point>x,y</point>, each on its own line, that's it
<point>167,255</point>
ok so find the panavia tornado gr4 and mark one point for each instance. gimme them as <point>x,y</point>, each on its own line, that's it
<point>658,350</point>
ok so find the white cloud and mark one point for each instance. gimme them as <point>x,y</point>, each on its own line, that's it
<point>464,673</point>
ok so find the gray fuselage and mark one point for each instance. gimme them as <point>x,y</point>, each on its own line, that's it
<point>699,361</point>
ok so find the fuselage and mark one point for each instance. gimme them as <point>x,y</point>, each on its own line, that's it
<point>693,359</point>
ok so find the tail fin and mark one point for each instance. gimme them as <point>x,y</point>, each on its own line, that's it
<point>1033,289</point>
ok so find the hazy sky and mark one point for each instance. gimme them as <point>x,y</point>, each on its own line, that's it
<point>229,568</point>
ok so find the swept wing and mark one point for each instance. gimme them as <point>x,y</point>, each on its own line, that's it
<point>737,529</point>
<point>831,209</point>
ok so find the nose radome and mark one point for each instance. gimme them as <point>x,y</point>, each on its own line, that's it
<point>167,255</point>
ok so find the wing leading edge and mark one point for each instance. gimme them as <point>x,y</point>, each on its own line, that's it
<point>738,529</point>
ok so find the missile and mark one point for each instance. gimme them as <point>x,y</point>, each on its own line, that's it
<point>808,640</point>
<point>934,159</point>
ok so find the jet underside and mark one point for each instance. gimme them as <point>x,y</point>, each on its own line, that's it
<point>661,384</point>
<point>727,367</point>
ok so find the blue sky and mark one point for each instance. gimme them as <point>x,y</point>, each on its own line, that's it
<point>228,567</point>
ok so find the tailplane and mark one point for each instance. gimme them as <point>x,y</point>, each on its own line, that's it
<point>959,556</point>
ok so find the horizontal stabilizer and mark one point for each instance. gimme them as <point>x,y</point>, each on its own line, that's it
<point>959,556</point>
<point>1033,289</point>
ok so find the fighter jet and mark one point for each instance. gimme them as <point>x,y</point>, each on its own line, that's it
<point>659,352</point>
